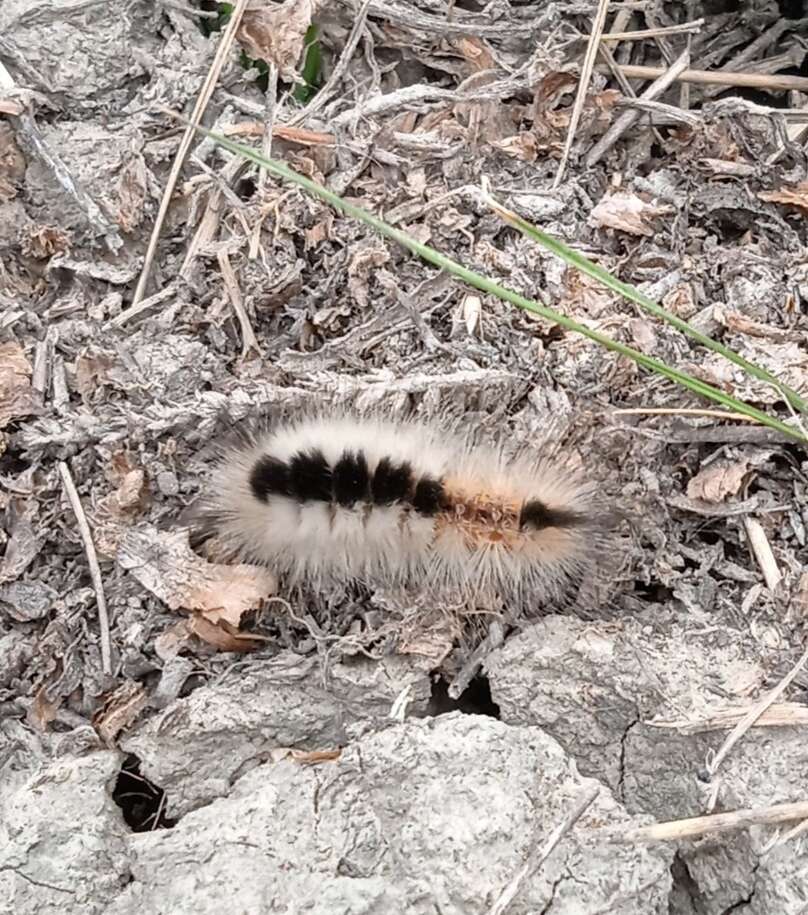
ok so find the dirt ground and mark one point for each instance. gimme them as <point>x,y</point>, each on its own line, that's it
<point>213,751</point>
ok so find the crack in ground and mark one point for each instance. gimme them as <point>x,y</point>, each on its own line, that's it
<point>49,886</point>
<point>623,739</point>
<point>746,899</point>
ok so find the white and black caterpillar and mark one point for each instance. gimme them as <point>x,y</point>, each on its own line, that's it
<point>329,499</point>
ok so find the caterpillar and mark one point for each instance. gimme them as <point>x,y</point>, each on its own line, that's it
<point>324,499</point>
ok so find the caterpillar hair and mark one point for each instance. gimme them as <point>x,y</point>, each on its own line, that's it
<point>325,500</point>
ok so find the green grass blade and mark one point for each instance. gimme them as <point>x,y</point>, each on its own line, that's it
<point>577,260</point>
<point>280,170</point>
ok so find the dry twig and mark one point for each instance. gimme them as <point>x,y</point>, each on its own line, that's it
<point>761,547</point>
<point>583,85</point>
<point>205,93</point>
<point>753,714</point>
<point>628,118</point>
<point>92,561</point>
<point>776,81</point>
<point>506,896</point>
<point>712,824</point>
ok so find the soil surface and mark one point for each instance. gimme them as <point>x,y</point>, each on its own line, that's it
<point>174,736</point>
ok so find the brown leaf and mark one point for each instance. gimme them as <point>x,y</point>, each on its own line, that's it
<point>43,242</point>
<point>474,51</point>
<point>133,194</point>
<point>172,640</point>
<point>221,635</point>
<point>720,479</point>
<point>92,371</point>
<point>12,162</point>
<point>43,710</point>
<point>17,397</point>
<point>626,212</point>
<point>276,32</point>
<point>120,709</point>
<point>796,196</point>
<point>521,146</point>
<point>163,562</point>
<point>304,757</point>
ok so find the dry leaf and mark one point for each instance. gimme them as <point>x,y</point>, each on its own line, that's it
<point>276,32</point>
<point>363,261</point>
<point>120,709</point>
<point>42,711</point>
<point>521,146</point>
<point>475,52</point>
<point>222,636</point>
<point>718,480</point>
<point>17,397</point>
<point>133,194</point>
<point>12,162</point>
<point>173,640</point>
<point>163,562</point>
<point>626,212</point>
<point>92,371</point>
<point>44,241</point>
<point>796,196</point>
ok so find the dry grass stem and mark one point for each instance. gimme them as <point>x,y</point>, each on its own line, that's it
<point>761,547</point>
<point>640,34</point>
<point>781,714</point>
<point>625,120</point>
<point>775,82</point>
<point>203,98</point>
<point>92,561</point>
<point>583,85</point>
<point>248,339</point>
<point>530,866</point>
<point>712,824</point>
<point>753,714</point>
<point>683,411</point>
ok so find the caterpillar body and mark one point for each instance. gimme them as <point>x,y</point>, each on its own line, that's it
<point>333,499</point>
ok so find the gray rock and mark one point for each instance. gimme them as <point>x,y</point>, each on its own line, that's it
<point>201,744</point>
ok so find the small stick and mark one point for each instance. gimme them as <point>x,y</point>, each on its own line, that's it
<point>185,144</point>
<point>507,895</point>
<point>628,118</point>
<point>282,131</point>
<point>248,339</point>
<point>720,78</point>
<point>668,114</point>
<point>92,561</point>
<point>781,714</point>
<point>492,641</point>
<point>628,90</point>
<point>119,320</point>
<point>709,825</point>
<point>753,714</point>
<point>583,84</point>
<point>694,26</point>
<point>763,552</point>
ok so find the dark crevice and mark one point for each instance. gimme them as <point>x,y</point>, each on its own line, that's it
<point>474,700</point>
<point>620,784</point>
<point>685,891</point>
<point>142,803</point>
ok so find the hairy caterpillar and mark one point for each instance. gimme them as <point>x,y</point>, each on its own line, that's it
<point>328,499</point>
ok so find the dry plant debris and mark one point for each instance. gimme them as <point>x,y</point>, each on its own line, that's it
<point>153,289</point>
